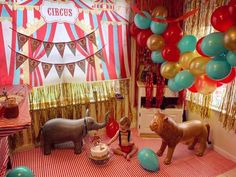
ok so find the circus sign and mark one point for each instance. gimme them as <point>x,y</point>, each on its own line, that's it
<point>59,12</point>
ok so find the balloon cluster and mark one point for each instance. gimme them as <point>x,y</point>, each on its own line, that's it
<point>202,71</point>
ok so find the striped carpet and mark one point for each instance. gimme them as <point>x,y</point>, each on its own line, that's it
<point>64,163</point>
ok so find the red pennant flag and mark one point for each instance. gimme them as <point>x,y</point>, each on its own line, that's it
<point>71,68</point>
<point>22,39</point>
<point>48,47</point>
<point>92,38</point>
<point>60,47</point>
<point>34,44</point>
<point>60,69</point>
<point>72,46</point>
<point>33,64</point>
<point>20,59</point>
<point>91,60</point>
<point>81,65</point>
<point>99,54</point>
<point>82,43</point>
<point>46,68</point>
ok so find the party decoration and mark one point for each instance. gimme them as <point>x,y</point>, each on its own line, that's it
<point>173,33</point>
<point>218,68</point>
<point>184,79</point>
<point>198,47</point>
<point>171,53</point>
<point>232,10</point>
<point>221,19</point>
<point>155,42</point>
<point>187,43</point>
<point>134,30</point>
<point>21,171</point>
<point>159,11</point>
<point>205,85</point>
<point>231,58</point>
<point>173,86</point>
<point>169,69</point>
<point>213,44</point>
<point>230,77</point>
<point>192,89</point>
<point>148,159</point>
<point>157,57</point>
<point>158,27</point>
<point>112,127</point>
<point>230,38</point>
<point>198,65</point>
<point>142,22</point>
<point>143,36</point>
<point>185,59</point>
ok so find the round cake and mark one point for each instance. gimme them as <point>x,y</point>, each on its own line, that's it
<point>100,151</point>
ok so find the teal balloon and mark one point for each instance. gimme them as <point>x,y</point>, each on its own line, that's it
<point>187,43</point>
<point>156,57</point>
<point>172,86</point>
<point>20,171</point>
<point>141,21</point>
<point>231,58</point>
<point>158,27</point>
<point>184,79</point>
<point>218,68</point>
<point>213,44</point>
<point>148,159</point>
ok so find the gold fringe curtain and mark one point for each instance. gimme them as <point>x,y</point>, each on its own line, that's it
<point>70,100</point>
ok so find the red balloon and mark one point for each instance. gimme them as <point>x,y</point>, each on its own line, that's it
<point>232,2</point>
<point>171,53</point>
<point>112,127</point>
<point>228,78</point>
<point>173,33</point>
<point>221,19</point>
<point>143,36</point>
<point>218,84</point>
<point>193,89</point>
<point>198,47</point>
<point>134,30</point>
<point>232,11</point>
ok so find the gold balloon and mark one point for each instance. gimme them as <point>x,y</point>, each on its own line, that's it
<point>185,59</point>
<point>169,69</point>
<point>198,65</point>
<point>230,39</point>
<point>160,11</point>
<point>155,42</point>
<point>205,85</point>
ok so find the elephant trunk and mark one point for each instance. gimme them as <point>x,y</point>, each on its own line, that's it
<point>102,125</point>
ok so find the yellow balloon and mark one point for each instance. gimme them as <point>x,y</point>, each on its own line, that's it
<point>169,69</point>
<point>185,59</point>
<point>198,65</point>
<point>160,11</point>
<point>230,39</point>
<point>155,42</point>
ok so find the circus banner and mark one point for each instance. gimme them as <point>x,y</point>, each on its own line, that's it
<point>87,39</point>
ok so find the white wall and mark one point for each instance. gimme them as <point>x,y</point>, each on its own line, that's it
<point>224,141</point>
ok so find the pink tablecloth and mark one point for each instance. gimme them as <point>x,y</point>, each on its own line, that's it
<point>4,153</point>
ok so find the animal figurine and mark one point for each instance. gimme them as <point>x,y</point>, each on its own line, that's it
<point>61,130</point>
<point>173,133</point>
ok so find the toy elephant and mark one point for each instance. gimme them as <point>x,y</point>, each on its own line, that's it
<point>173,133</point>
<point>61,130</point>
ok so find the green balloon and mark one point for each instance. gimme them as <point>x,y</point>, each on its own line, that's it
<point>148,159</point>
<point>20,171</point>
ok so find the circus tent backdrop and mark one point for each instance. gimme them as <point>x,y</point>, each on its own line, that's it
<point>89,45</point>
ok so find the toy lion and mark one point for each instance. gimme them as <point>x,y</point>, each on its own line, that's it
<point>173,133</point>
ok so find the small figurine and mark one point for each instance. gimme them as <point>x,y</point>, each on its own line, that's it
<point>126,147</point>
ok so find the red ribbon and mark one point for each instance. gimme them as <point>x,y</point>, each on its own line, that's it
<point>183,17</point>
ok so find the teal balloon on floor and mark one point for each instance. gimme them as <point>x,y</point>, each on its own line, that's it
<point>148,159</point>
<point>20,171</point>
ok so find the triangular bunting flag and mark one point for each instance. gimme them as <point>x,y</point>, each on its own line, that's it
<point>60,47</point>
<point>34,44</point>
<point>71,68</point>
<point>82,43</point>
<point>91,60</point>
<point>33,64</point>
<point>59,68</point>
<point>81,64</point>
<point>72,46</point>
<point>22,39</point>
<point>99,54</point>
<point>92,38</point>
<point>48,47</point>
<point>20,59</point>
<point>46,68</point>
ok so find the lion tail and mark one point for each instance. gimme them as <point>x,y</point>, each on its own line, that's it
<point>208,133</point>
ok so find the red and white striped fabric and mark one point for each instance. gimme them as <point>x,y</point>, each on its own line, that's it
<point>4,154</point>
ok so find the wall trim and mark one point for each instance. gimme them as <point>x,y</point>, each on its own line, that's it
<point>224,153</point>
